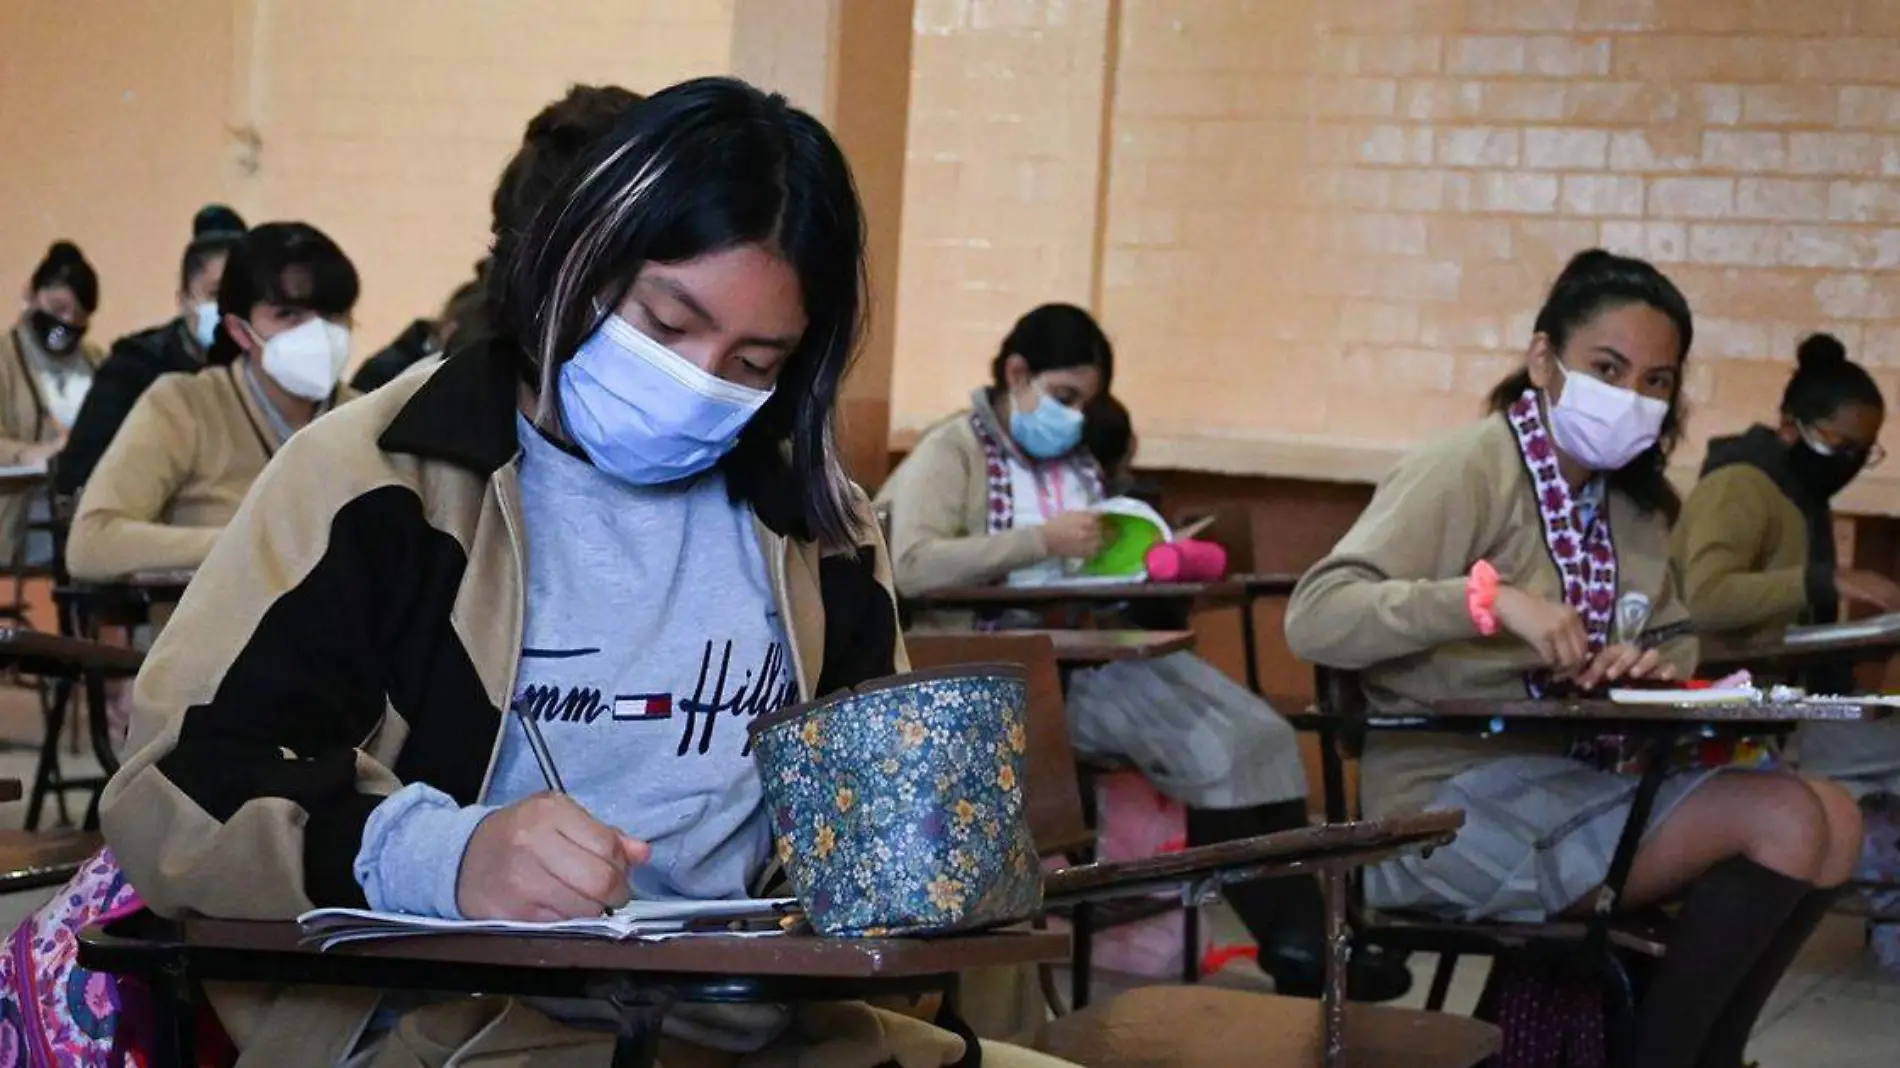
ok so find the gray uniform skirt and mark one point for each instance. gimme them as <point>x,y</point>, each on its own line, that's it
<point>1539,834</point>
<point>1200,737</point>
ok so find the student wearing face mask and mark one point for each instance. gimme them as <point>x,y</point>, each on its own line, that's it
<point>632,486</point>
<point>1494,562</point>
<point>1004,492</point>
<point>193,444</point>
<point>46,367</point>
<point>1756,542</point>
<point>138,359</point>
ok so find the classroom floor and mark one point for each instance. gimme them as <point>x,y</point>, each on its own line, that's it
<point>1834,1010</point>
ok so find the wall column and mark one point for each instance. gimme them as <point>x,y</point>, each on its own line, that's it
<point>848,63</point>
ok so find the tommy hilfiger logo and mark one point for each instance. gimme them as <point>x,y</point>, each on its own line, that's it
<point>721,689</point>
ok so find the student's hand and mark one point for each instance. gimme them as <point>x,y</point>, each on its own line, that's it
<point>1074,535</point>
<point>1869,588</point>
<point>543,859</point>
<point>1553,629</point>
<point>1620,662</point>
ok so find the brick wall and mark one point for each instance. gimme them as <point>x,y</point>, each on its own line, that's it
<point>1327,225</point>
<point>384,122</point>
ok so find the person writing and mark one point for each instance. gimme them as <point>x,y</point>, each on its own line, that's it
<point>1492,563</point>
<point>631,487</point>
<point>1756,543</point>
<point>1005,491</point>
<point>176,472</point>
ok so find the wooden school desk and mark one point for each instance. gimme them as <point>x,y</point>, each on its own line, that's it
<point>641,980</point>
<point>1779,658</point>
<point>1661,727</point>
<point>71,663</point>
<point>1235,591</point>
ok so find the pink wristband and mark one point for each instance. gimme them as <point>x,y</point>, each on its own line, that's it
<point>1481,597</point>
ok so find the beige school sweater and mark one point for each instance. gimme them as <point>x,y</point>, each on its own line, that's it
<point>172,478</point>
<point>25,421</point>
<point>1389,602</point>
<point>938,500</point>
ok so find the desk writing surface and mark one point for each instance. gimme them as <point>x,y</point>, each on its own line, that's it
<point>1106,646</point>
<point>1584,711</point>
<point>1212,594</point>
<point>38,652</point>
<point>802,956</point>
<point>1721,655</point>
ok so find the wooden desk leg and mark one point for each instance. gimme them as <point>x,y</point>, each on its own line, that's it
<point>1338,945</point>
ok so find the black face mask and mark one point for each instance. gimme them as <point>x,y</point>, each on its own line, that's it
<point>1822,474</point>
<point>55,335</point>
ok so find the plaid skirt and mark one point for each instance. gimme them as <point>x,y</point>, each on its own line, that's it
<point>1539,834</point>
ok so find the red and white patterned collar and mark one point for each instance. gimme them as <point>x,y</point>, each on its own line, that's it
<point>1578,539</point>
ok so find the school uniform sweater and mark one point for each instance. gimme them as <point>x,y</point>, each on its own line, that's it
<point>174,475</point>
<point>1389,602</point>
<point>1756,548</point>
<point>938,500</point>
<point>26,419</point>
<point>136,361</point>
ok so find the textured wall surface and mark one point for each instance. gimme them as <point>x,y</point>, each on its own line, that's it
<point>1323,228</point>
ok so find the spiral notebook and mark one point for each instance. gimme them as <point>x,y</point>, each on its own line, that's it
<point>636,920</point>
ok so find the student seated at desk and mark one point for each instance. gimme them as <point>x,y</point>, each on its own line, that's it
<point>1490,564</point>
<point>177,470</point>
<point>632,487</point>
<point>1756,543</point>
<point>1002,492</point>
<point>44,375</point>
<point>137,360</point>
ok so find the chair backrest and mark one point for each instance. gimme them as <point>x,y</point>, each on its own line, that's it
<point>1051,793</point>
<point>1232,530</point>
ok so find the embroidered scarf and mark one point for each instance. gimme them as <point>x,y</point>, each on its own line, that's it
<point>1581,547</point>
<point>1002,483</point>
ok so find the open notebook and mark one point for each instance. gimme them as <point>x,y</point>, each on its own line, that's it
<point>634,920</point>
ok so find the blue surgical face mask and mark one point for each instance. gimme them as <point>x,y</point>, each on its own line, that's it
<point>1047,431</point>
<point>645,414</point>
<point>204,322</point>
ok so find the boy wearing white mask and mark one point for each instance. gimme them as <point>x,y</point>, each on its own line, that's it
<point>1491,564</point>
<point>182,462</point>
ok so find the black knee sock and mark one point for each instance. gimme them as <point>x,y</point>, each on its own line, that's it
<point>1729,1038</point>
<point>1730,917</point>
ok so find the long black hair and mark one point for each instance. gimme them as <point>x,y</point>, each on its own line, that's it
<point>701,167</point>
<point>292,264</point>
<point>215,231</point>
<point>1595,282</point>
<point>1825,381</point>
<point>1056,337</point>
<point>65,265</point>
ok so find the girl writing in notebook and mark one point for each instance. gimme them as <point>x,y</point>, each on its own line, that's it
<point>1003,492</point>
<point>623,516</point>
<point>1491,564</point>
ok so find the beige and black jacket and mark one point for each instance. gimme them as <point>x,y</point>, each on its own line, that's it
<point>358,628</point>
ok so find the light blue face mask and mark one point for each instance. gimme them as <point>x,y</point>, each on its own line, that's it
<point>646,415</point>
<point>204,322</point>
<point>1049,430</point>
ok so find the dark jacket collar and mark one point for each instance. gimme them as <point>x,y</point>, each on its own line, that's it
<point>464,414</point>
